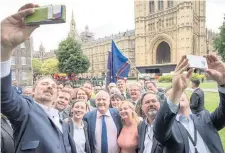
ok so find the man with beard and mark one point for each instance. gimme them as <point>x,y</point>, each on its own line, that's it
<point>62,103</point>
<point>36,124</point>
<point>104,125</point>
<point>146,140</point>
<point>183,132</point>
<point>135,93</point>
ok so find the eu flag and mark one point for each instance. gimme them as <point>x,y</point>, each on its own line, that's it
<point>118,66</point>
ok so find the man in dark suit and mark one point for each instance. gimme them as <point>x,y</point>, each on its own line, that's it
<point>197,98</point>
<point>36,124</point>
<point>7,141</point>
<point>180,131</point>
<point>121,85</point>
<point>16,88</point>
<point>104,125</point>
<point>147,143</point>
<point>62,103</point>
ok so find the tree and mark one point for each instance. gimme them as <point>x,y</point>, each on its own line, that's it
<point>219,42</point>
<point>36,66</point>
<point>71,57</point>
<point>49,67</point>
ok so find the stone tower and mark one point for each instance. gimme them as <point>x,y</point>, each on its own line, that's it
<point>167,29</point>
<point>73,32</point>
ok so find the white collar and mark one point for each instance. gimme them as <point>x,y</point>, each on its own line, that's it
<point>75,125</point>
<point>48,109</point>
<point>106,114</point>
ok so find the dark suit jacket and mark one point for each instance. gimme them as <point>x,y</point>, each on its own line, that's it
<point>90,118</point>
<point>156,146</point>
<point>197,101</point>
<point>17,89</point>
<point>33,129</point>
<point>7,141</point>
<point>71,131</point>
<point>171,133</point>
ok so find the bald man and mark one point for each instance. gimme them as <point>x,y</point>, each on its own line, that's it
<point>104,125</point>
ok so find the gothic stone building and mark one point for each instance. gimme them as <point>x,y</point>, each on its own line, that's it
<point>21,64</point>
<point>165,30</point>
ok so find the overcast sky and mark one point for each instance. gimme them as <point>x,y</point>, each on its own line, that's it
<point>104,17</point>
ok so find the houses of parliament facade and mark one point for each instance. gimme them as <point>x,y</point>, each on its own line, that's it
<point>164,31</point>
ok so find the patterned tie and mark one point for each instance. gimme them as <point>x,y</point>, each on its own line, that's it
<point>104,142</point>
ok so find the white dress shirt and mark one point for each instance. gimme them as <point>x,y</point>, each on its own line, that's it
<point>148,138</point>
<point>79,137</point>
<point>53,114</point>
<point>111,133</point>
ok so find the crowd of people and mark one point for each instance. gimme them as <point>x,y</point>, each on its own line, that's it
<point>121,118</point>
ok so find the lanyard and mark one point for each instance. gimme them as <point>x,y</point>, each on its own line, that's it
<point>194,142</point>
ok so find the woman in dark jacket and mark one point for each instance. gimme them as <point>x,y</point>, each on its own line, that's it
<point>78,127</point>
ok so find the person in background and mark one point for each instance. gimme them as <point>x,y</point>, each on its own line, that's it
<point>89,87</point>
<point>78,127</point>
<point>97,88</point>
<point>111,85</point>
<point>16,88</point>
<point>121,85</point>
<point>197,98</point>
<point>68,84</point>
<point>181,131</point>
<point>104,125</point>
<point>152,87</point>
<point>62,102</point>
<point>29,116</point>
<point>128,138</point>
<point>59,85</point>
<point>115,101</point>
<point>135,93</point>
<point>114,90</point>
<point>147,143</point>
<point>7,141</point>
<point>82,94</point>
<point>28,91</point>
<point>73,95</point>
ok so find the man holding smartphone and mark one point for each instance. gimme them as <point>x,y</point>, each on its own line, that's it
<point>36,125</point>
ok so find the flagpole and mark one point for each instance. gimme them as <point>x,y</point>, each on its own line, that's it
<point>138,72</point>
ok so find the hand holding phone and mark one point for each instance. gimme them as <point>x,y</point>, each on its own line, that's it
<point>198,62</point>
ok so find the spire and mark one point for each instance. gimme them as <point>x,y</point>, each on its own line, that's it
<point>73,33</point>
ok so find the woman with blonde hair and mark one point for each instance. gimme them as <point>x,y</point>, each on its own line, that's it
<point>128,138</point>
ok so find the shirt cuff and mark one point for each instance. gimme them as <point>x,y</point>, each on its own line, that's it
<point>221,89</point>
<point>5,68</point>
<point>173,107</point>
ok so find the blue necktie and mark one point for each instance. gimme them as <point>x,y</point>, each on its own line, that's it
<point>104,141</point>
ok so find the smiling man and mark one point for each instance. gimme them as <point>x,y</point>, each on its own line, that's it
<point>134,92</point>
<point>27,116</point>
<point>104,125</point>
<point>62,102</point>
<point>147,142</point>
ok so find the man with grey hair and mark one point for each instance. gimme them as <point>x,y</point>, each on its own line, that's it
<point>104,125</point>
<point>134,90</point>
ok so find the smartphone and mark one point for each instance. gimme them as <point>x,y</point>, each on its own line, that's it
<point>198,62</point>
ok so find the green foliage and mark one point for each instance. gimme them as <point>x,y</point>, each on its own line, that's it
<point>49,67</point>
<point>168,78</point>
<point>36,66</point>
<point>71,57</point>
<point>219,43</point>
<point>196,76</point>
<point>165,78</point>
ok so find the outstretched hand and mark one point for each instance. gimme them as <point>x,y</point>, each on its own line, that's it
<point>180,80</point>
<point>14,31</point>
<point>216,69</point>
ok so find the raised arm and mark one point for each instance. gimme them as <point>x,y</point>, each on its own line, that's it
<point>167,113</point>
<point>217,72</point>
<point>13,32</point>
